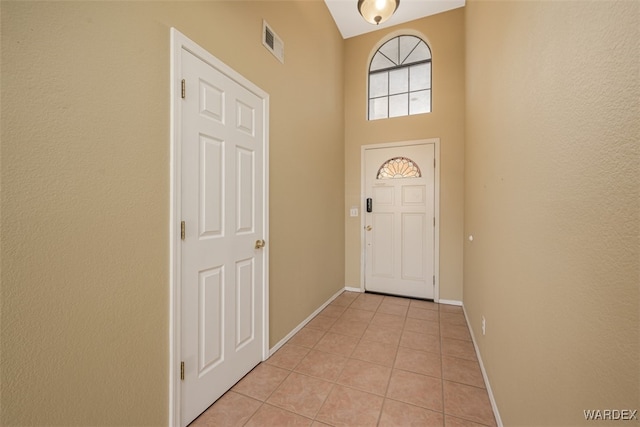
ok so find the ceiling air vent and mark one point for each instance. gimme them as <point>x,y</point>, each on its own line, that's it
<point>272,42</point>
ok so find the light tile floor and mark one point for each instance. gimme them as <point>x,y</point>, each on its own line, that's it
<point>365,360</point>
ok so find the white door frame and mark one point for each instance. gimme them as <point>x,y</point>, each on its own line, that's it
<point>436,206</point>
<point>179,42</point>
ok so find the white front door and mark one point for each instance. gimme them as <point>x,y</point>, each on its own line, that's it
<point>400,227</point>
<point>223,262</point>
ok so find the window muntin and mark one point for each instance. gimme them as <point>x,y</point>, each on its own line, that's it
<point>400,79</point>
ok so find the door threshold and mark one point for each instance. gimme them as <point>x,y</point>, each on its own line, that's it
<point>399,296</point>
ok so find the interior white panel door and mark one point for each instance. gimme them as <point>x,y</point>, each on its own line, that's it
<point>400,230</point>
<point>222,206</point>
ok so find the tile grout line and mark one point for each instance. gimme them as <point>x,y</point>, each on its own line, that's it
<point>444,415</point>
<point>335,381</point>
<point>456,382</point>
<point>369,322</point>
<point>264,402</point>
<point>393,363</point>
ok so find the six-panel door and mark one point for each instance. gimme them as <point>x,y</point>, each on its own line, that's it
<point>399,231</point>
<point>223,209</point>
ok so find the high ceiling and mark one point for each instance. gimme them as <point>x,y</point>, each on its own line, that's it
<point>350,23</point>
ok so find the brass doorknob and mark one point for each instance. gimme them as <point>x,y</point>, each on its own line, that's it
<point>368,228</point>
<point>260,244</point>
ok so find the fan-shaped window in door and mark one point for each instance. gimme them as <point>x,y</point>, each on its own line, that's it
<point>400,78</point>
<point>399,167</point>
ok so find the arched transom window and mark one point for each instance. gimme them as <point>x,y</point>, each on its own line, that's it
<point>400,78</point>
<point>399,167</point>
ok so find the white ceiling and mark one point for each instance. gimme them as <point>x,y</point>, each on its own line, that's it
<point>350,23</point>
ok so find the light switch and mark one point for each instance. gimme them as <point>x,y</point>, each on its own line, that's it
<point>353,212</point>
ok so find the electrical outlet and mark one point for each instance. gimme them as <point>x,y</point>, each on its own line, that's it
<point>484,325</point>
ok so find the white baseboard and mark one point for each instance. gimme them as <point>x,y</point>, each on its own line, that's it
<point>353,289</point>
<point>290,335</point>
<point>494,406</point>
<point>450,302</point>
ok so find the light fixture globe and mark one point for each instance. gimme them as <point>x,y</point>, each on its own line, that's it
<point>377,11</point>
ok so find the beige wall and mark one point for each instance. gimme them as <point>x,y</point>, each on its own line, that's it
<point>85,192</point>
<point>552,198</point>
<point>445,35</point>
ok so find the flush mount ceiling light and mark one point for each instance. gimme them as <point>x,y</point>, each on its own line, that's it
<point>377,11</point>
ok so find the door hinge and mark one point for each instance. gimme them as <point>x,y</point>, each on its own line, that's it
<point>182,370</point>
<point>434,280</point>
<point>434,160</point>
<point>182,230</point>
<point>184,88</point>
<point>434,221</point>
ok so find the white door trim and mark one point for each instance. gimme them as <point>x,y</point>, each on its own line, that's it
<point>436,252</point>
<point>179,42</point>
